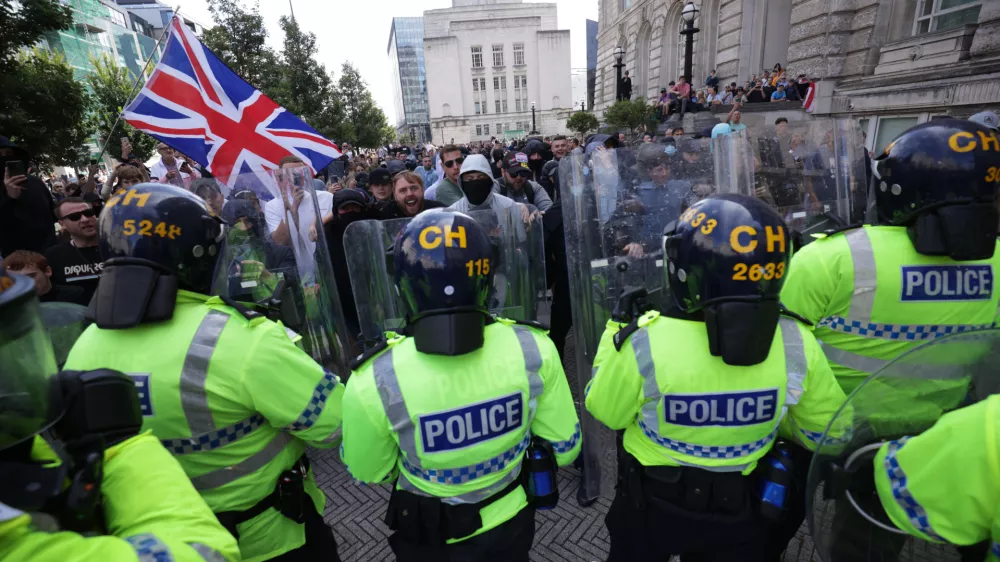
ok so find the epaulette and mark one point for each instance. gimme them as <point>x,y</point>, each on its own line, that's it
<point>380,345</point>
<point>533,323</point>
<point>832,231</point>
<point>622,336</point>
<point>247,313</point>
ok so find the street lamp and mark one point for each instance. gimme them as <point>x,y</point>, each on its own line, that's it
<point>534,129</point>
<point>619,55</point>
<point>689,13</point>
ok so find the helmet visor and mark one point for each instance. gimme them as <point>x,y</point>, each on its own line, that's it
<point>27,365</point>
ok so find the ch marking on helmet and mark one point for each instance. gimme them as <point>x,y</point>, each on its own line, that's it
<point>468,425</point>
<point>947,283</point>
<point>146,228</point>
<point>432,236</point>
<point>722,409</point>
<point>964,141</point>
<point>743,238</point>
<point>128,198</point>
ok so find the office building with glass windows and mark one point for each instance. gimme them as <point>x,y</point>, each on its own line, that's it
<point>409,80</point>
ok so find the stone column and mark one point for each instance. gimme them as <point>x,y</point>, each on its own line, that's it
<point>986,42</point>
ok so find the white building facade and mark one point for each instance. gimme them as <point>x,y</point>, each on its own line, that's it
<point>890,63</point>
<point>487,62</point>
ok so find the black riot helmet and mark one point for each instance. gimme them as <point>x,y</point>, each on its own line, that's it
<point>727,257</point>
<point>443,270</point>
<point>939,180</point>
<point>155,239</point>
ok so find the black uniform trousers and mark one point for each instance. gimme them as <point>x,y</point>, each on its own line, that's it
<point>701,516</point>
<point>509,542</point>
<point>320,545</point>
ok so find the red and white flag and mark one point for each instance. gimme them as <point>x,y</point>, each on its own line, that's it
<point>810,102</point>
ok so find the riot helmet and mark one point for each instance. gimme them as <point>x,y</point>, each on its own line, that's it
<point>155,239</point>
<point>937,180</point>
<point>727,257</point>
<point>443,270</point>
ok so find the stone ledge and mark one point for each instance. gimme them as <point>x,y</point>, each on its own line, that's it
<point>926,51</point>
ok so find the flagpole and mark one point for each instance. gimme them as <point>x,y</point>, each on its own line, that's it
<point>138,80</point>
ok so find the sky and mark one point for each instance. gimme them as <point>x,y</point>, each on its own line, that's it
<point>358,31</point>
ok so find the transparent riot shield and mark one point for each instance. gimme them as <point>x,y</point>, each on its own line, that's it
<point>846,518</point>
<point>813,171</point>
<point>276,259</point>
<point>616,204</point>
<point>64,322</point>
<point>518,284</point>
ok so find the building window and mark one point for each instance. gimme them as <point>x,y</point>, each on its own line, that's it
<point>499,128</point>
<point>477,56</point>
<point>518,54</point>
<point>625,4</point>
<point>486,129</point>
<point>479,94</point>
<point>497,55</point>
<point>117,17</point>
<point>479,130</point>
<point>500,93</point>
<point>940,15</point>
<point>520,93</point>
<point>888,128</point>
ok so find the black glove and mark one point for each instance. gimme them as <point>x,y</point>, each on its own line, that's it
<point>101,403</point>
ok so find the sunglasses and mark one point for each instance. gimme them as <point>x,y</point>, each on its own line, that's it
<point>451,163</point>
<point>73,217</point>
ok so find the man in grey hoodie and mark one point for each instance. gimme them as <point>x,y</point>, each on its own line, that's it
<point>517,185</point>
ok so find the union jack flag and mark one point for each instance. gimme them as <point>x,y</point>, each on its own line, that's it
<point>194,103</point>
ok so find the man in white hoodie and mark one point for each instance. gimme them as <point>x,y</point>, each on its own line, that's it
<point>480,189</point>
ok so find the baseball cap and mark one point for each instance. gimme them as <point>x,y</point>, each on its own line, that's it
<point>379,176</point>
<point>986,119</point>
<point>395,167</point>
<point>516,162</point>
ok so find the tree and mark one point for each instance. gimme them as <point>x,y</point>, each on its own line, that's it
<point>368,126</point>
<point>629,115</point>
<point>110,86</point>
<point>239,40</point>
<point>42,106</point>
<point>581,122</point>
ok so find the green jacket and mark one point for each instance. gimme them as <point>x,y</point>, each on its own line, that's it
<point>233,399</point>
<point>872,297</point>
<point>457,427</point>
<point>944,484</point>
<point>680,405</point>
<point>151,510</point>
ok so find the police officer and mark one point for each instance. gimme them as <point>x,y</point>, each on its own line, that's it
<point>925,270</point>
<point>70,476</point>
<point>222,387</point>
<point>704,388</point>
<point>449,408</point>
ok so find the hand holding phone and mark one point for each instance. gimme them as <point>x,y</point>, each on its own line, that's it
<point>14,175</point>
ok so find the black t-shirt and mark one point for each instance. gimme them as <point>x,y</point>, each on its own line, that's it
<point>76,267</point>
<point>756,96</point>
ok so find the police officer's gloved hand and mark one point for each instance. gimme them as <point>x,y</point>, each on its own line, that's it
<point>101,403</point>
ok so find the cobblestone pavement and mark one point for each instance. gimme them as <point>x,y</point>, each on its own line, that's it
<point>568,533</point>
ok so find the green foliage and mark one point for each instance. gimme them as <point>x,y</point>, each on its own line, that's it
<point>23,23</point>
<point>367,124</point>
<point>239,40</point>
<point>581,122</point>
<point>110,86</point>
<point>629,115</point>
<point>43,108</point>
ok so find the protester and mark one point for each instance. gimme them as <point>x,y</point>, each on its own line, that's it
<point>447,190</point>
<point>77,262</point>
<point>407,198</point>
<point>349,206</point>
<point>560,147</point>
<point>278,210</point>
<point>208,190</point>
<point>171,169</point>
<point>122,178</point>
<point>428,175</point>
<point>26,217</point>
<point>518,187</point>
<point>380,184</point>
<point>35,265</point>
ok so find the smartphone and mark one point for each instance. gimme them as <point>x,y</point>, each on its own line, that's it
<point>93,161</point>
<point>16,168</point>
<point>124,138</point>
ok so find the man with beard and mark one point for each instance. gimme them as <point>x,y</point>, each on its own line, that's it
<point>26,216</point>
<point>407,198</point>
<point>349,206</point>
<point>77,262</point>
<point>518,187</point>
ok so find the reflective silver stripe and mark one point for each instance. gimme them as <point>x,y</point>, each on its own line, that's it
<point>796,364</point>
<point>865,275</point>
<point>852,360</point>
<point>194,400</point>
<point>148,548</point>
<point>650,388</point>
<point>532,364</point>
<point>249,465</point>
<point>207,553</point>
<point>387,385</point>
<point>7,513</point>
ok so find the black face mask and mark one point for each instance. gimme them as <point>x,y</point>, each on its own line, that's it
<point>477,190</point>
<point>536,165</point>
